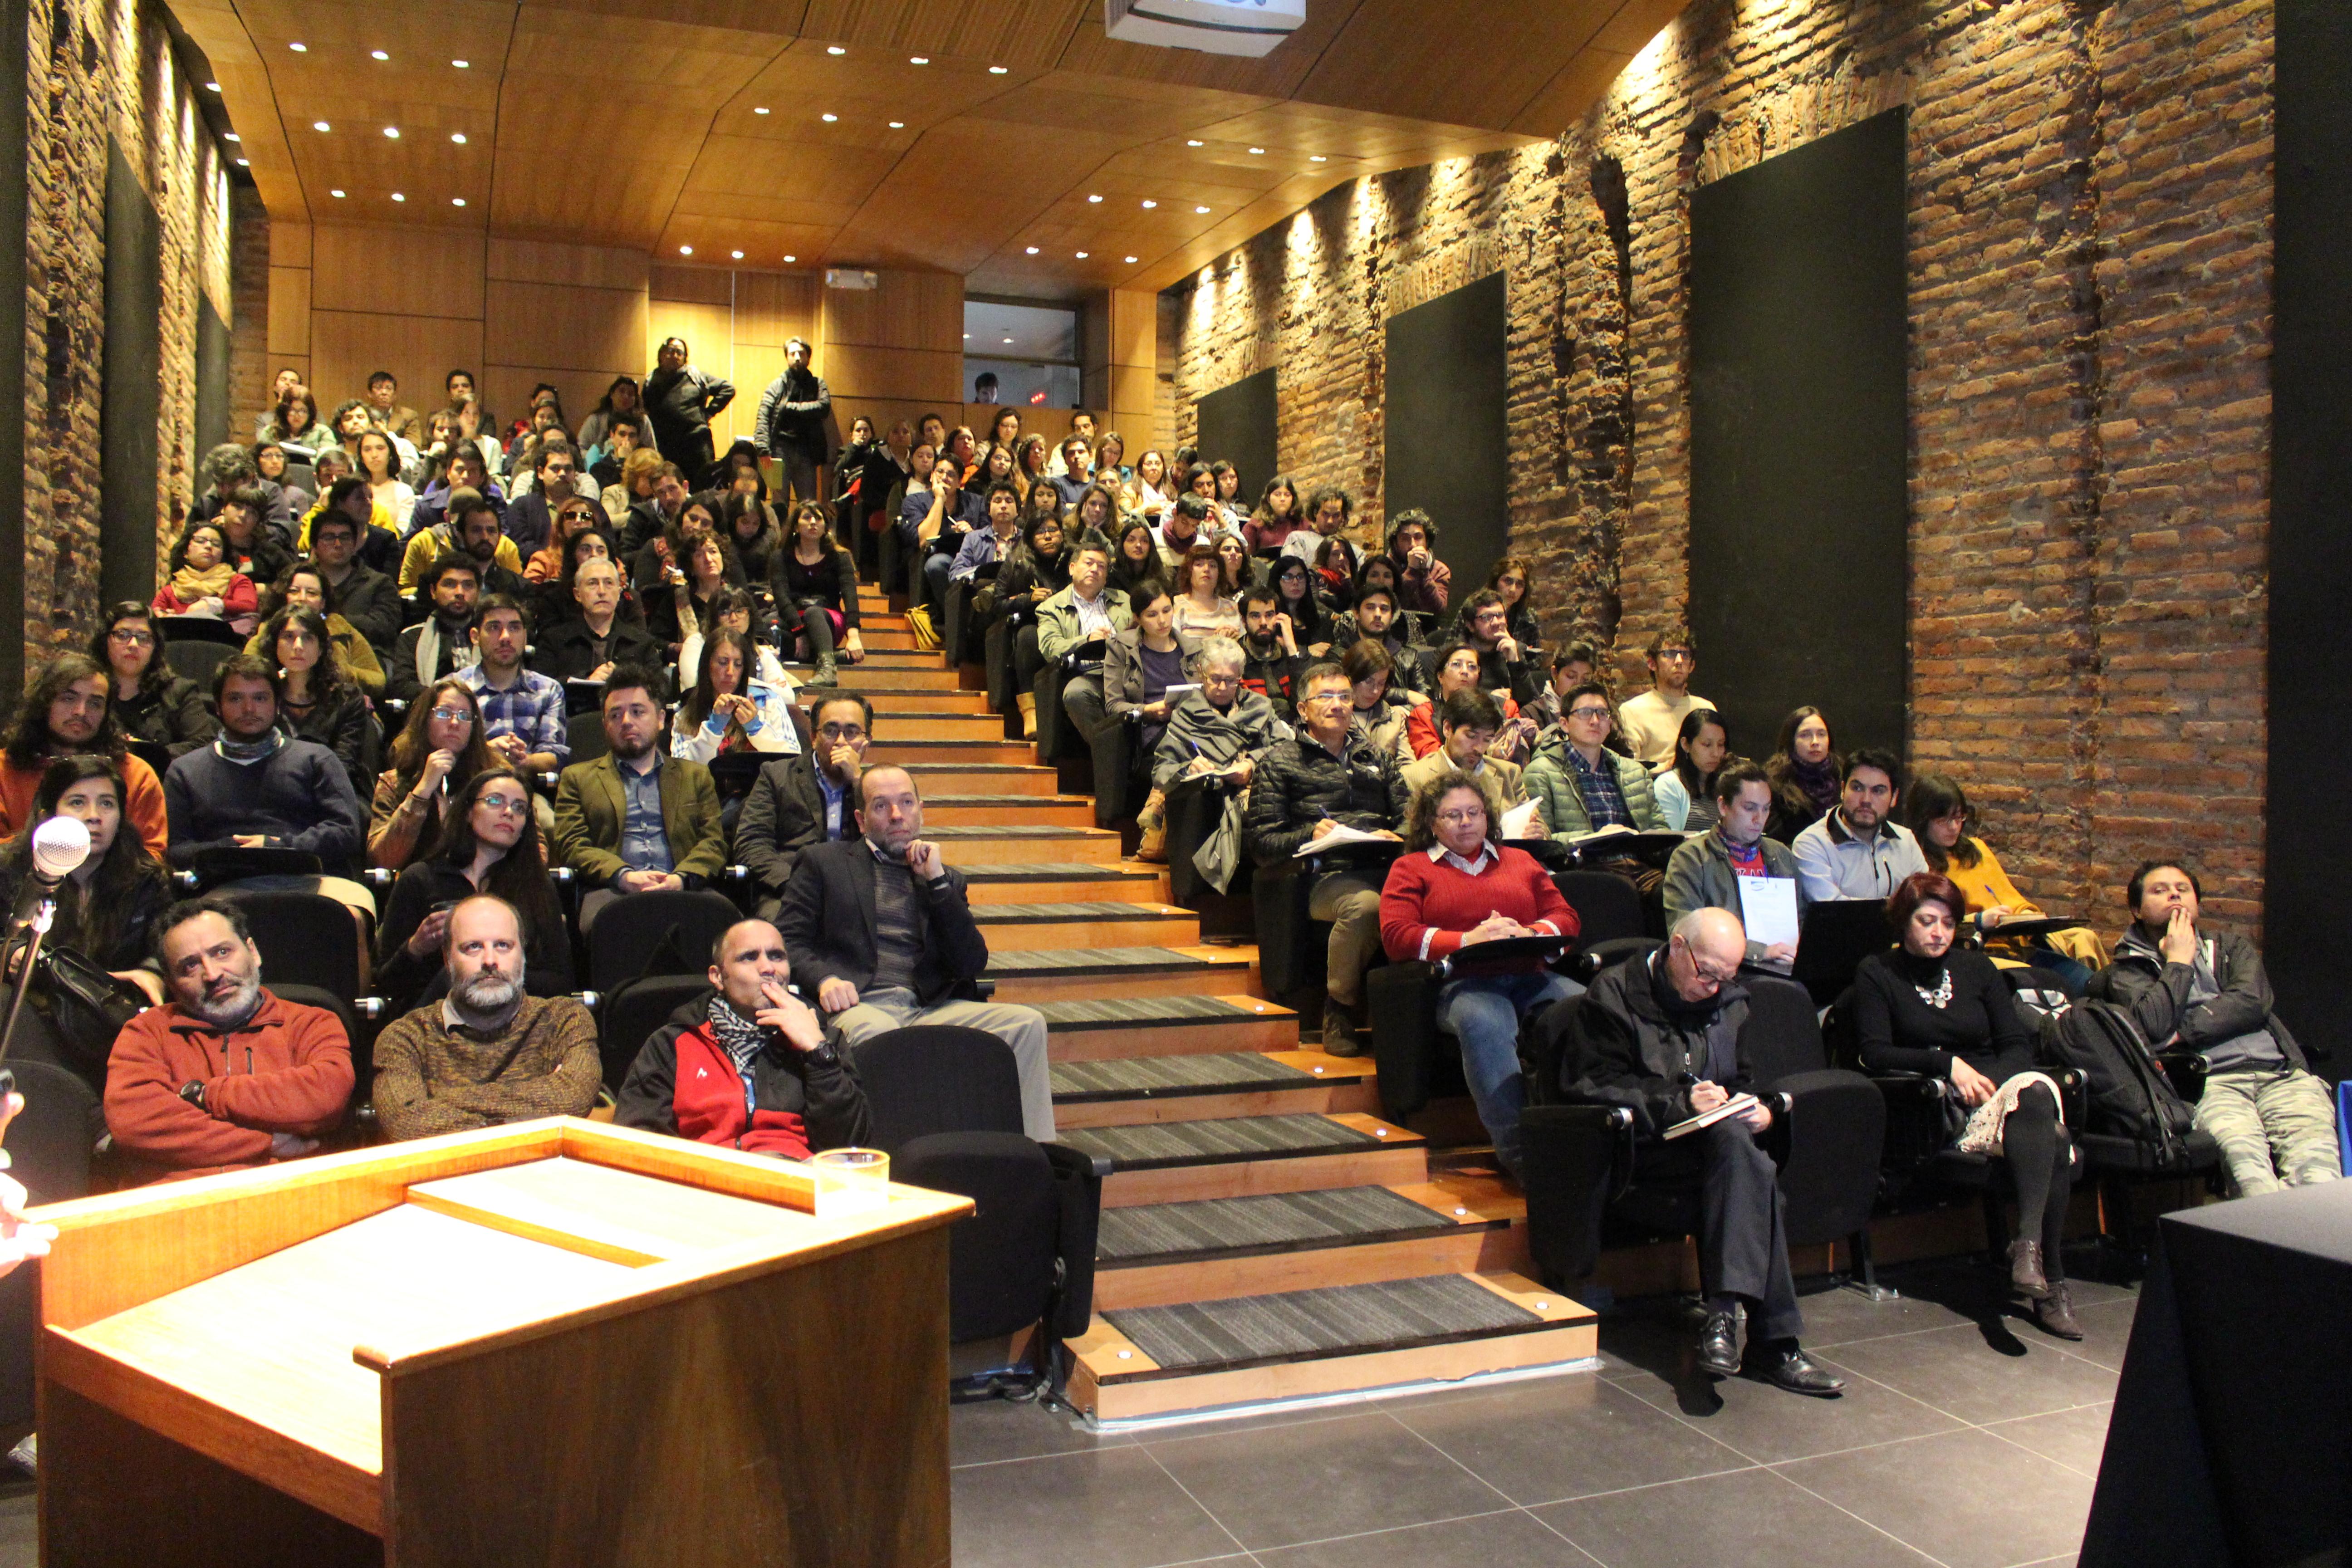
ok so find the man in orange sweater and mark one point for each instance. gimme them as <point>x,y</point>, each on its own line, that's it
<point>226,1075</point>
<point>69,709</point>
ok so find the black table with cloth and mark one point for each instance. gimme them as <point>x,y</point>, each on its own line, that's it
<point>2231,1437</point>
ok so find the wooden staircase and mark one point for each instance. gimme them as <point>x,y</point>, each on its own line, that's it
<point>1265,1235</point>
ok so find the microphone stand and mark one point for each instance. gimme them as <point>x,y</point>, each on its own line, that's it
<point>36,926</point>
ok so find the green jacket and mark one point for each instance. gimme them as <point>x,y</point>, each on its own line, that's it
<point>1551,779</point>
<point>1700,877</point>
<point>590,804</point>
<point>1057,621</point>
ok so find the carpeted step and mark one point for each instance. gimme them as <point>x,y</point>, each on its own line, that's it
<point>1011,810</point>
<point>1219,1157</point>
<point>992,882</point>
<point>1085,923</point>
<point>1004,843</point>
<point>1148,1077</point>
<point>1068,974</point>
<point>1103,1027</point>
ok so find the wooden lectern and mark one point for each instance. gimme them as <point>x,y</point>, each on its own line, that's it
<point>557,1343</point>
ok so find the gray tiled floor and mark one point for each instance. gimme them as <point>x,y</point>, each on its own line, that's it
<point>1966,1438</point>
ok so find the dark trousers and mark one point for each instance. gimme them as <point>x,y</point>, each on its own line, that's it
<point>1743,1238</point>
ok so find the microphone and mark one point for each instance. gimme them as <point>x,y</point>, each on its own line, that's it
<point>60,847</point>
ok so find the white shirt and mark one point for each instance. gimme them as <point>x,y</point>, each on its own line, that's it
<point>1094,615</point>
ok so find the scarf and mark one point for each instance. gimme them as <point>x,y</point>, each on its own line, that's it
<point>739,1037</point>
<point>248,752</point>
<point>1818,780</point>
<point>188,585</point>
<point>428,653</point>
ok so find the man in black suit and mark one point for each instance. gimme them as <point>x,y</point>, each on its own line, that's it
<point>805,800</point>
<point>884,933</point>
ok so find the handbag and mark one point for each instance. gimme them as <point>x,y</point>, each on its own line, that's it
<point>88,1007</point>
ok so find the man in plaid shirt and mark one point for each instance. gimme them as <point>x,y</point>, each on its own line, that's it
<point>522,710</point>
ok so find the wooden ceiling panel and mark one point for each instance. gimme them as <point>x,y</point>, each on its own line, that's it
<point>981,167</point>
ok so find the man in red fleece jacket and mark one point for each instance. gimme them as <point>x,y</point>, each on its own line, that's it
<point>226,1075</point>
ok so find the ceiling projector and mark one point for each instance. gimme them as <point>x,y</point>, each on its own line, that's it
<point>1219,27</point>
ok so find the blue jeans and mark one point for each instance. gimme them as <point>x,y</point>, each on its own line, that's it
<point>1482,1012</point>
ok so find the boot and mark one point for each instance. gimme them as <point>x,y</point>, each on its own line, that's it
<point>2054,1314</point>
<point>1152,845</point>
<point>2025,1269</point>
<point>1027,702</point>
<point>1340,1035</point>
<point>827,672</point>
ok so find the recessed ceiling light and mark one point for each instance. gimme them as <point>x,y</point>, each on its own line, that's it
<point>1008,340</point>
<point>300,48</point>
<point>897,125</point>
<point>736,254</point>
<point>245,162</point>
<point>1131,261</point>
<point>212,86</point>
<point>1094,198</point>
<point>829,118</point>
<point>1151,203</point>
<point>321,125</point>
<point>1200,210</point>
<point>393,132</point>
<point>1316,158</point>
<point>918,59</point>
<point>337,195</point>
<point>1082,255</point>
<point>996,70</point>
<point>835,49</point>
<point>1258,149</point>
<point>458,137</point>
<point>1032,250</point>
<point>378,55</point>
<point>792,258</point>
<point>685,250</point>
<point>461,65</point>
<point>759,108</point>
<point>231,136</point>
<point>1191,144</point>
<point>967,337</point>
<point>398,197</point>
<point>457,201</point>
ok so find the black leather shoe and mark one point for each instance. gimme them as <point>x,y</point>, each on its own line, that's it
<point>1340,1037</point>
<point>2054,1314</point>
<point>1718,1344</point>
<point>1792,1370</point>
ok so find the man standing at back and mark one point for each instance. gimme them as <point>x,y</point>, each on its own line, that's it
<point>884,931</point>
<point>791,424</point>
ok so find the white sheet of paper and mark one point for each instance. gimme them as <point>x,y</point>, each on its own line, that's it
<point>1338,836</point>
<point>1520,820</point>
<point>1767,908</point>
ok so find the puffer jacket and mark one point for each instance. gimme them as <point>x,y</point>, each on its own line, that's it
<point>1552,778</point>
<point>1298,784</point>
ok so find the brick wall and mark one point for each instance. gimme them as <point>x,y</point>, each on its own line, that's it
<point>96,72</point>
<point>250,368</point>
<point>2089,200</point>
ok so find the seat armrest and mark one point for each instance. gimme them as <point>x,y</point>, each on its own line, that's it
<point>1573,1160</point>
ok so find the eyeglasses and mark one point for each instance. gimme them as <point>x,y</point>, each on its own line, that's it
<point>130,638</point>
<point>581,515</point>
<point>1588,712</point>
<point>453,715</point>
<point>505,803</point>
<point>843,732</point>
<point>1347,697</point>
<point>1666,653</point>
<point>1460,818</point>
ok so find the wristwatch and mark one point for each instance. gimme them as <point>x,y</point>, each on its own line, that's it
<point>825,1055</point>
<point>193,1092</point>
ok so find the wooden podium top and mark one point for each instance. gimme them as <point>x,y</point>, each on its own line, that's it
<point>266,1318</point>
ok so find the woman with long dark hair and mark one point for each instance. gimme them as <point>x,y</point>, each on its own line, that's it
<point>1277,515</point>
<point>152,701</point>
<point>707,571</point>
<point>1803,771</point>
<point>489,844</point>
<point>751,526</point>
<point>204,581</point>
<point>1294,584</point>
<point>623,403</point>
<point>317,698</point>
<point>815,582</point>
<point>106,909</point>
<point>1685,789</point>
<point>379,462</point>
<point>304,588</point>
<point>1204,608</point>
<point>1937,811</point>
<point>437,752</point>
<point>732,706</point>
<point>1135,562</point>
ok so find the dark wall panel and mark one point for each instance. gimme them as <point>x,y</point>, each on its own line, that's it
<point>212,376</point>
<point>132,386</point>
<point>2308,863</point>
<point>1448,434</point>
<point>1237,424</point>
<point>1799,559</point>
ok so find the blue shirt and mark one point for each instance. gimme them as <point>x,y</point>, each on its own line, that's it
<point>645,841</point>
<point>1604,803</point>
<point>834,812</point>
<point>532,707</point>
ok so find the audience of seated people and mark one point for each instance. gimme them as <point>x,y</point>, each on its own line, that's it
<point>633,821</point>
<point>748,1066</point>
<point>1662,1039</point>
<point>1329,775</point>
<point>488,1052</point>
<point>1455,886</point>
<point>490,843</point>
<point>1706,872</point>
<point>883,929</point>
<point>1858,850</point>
<point>1942,1011</point>
<point>2272,1116</point>
<point>1220,730</point>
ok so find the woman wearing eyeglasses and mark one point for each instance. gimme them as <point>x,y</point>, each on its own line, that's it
<point>436,754</point>
<point>488,845</point>
<point>152,701</point>
<point>1454,888</point>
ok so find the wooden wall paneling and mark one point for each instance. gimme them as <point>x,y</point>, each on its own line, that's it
<point>347,346</point>
<point>289,245</point>
<point>910,309</point>
<point>562,327</point>
<point>770,307</point>
<point>709,333</point>
<point>884,411</point>
<point>1134,323</point>
<point>854,371</point>
<point>289,313</point>
<point>397,272</point>
<point>756,364</point>
<point>584,266</point>
<point>691,285</point>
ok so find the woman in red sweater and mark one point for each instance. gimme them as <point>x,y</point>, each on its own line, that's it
<point>1451,888</point>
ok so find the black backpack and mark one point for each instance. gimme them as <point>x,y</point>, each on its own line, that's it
<point>2127,1093</point>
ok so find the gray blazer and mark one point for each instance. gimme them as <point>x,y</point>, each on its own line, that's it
<point>1122,675</point>
<point>1700,877</point>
